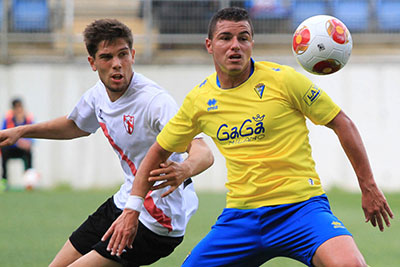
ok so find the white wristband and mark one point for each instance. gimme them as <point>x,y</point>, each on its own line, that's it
<point>134,203</point>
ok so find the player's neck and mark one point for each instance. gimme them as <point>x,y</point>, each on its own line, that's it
<point>227,81</point>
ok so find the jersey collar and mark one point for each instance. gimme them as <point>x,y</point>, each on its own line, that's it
<point>251,72</point>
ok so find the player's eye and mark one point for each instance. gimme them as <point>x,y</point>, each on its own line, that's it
<point>225,37</point>
<point>244,37</point>
<point>105,57</point>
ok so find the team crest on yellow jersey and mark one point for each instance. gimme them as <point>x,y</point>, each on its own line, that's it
<point>312,95</point>
<point>259,89</point>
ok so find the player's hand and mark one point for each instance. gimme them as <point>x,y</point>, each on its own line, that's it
<point>9,137</point>
<point>24,144</point>
<point>171,173</point>
<point>376,209</point>
<point>122,232</point>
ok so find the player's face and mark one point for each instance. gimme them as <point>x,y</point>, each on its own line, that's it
<point>113,61</point>
<point>231,47</point>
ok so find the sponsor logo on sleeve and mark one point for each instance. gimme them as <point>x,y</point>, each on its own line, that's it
<point>312,95</point>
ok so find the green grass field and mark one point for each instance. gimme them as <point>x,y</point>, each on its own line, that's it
<point>34,226</point>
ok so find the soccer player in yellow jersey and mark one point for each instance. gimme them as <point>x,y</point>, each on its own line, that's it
<point>256,114</point>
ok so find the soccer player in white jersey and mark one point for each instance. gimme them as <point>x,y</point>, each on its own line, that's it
<point>131,110</point>
<point>255,112</point>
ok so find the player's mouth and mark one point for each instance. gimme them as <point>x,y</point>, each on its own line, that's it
<point>117,77</point>
<point>235,58</point>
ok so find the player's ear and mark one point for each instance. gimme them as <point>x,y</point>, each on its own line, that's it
<point>133,55</point>
<point>91,62</point>
<point>209,46</point>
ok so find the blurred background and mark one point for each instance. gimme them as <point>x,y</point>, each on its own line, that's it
<point>44,62</point>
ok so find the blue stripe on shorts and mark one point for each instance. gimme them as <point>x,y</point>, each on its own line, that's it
<point>253,236</point>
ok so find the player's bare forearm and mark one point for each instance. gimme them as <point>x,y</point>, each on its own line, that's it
<point>60,128</point>
<point>353,146</point>
<point>199,157</point>
<point>154,157</point>
<point>374,204</point>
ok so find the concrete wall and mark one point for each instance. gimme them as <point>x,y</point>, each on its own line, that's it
<point>367,91</point>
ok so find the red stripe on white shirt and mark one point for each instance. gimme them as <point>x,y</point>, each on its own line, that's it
<point>114,145</point>
<point>157,213</point>
<point>149,204</point>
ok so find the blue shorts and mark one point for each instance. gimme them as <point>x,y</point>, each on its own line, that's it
<point>254,236</point>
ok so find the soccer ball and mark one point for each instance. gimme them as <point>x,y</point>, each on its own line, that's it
<point>31,179</point>
<point>322,44</point>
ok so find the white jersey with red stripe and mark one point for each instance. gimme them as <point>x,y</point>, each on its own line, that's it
<point>131,125</point>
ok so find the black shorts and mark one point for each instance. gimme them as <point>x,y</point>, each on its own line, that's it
<point>148,247</point>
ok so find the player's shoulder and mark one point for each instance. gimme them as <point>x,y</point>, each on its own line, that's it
<point>272,67</point>
<point>143,84</point>
<point>95,92</point>
<point>282,73</point>
<point>205,86</point>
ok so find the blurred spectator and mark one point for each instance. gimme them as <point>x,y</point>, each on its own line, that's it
<point>268,8</point>
<point>22,149</point>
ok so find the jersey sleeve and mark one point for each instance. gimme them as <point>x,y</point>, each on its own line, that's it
<point>311,100</point>
<point>160,110</point>
<point>181,129</point>
<point>84,114</point>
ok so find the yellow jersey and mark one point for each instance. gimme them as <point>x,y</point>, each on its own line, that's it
<point>260,129</point>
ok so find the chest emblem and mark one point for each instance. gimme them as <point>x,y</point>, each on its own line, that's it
<point>259,89</point>
<point>212,104</point>
<point>129,122</point>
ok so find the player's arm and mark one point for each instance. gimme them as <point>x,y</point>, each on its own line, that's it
<point>173,173</point>
<point>124,228</point>
<point>374,202</point>
<point>59,128</point>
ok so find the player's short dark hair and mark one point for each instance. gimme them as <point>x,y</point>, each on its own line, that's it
<point>15,102</point>
<point>105,30</point>
<point>230,13</point>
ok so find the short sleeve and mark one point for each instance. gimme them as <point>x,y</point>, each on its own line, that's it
<point>311,100</point>
<point>160,110</point>
<point>84,114</point>
<point>181,129</point>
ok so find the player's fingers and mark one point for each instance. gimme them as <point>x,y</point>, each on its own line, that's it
<point>388,210</point>
<point>122,245</point>
<point>366,215</point>
<point>172,189</point>
<point>157,172</point>
<point>386,217</point>
<point>116,244</point>
<point>152,179</point>
<point>165,164</point>
<point>379,222</point>
<point>162,185</point>
<point>108,233</point>
<point>373,221</point>
<point>111,242</point>
<point>130,241</point>
<point>161,178</point>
